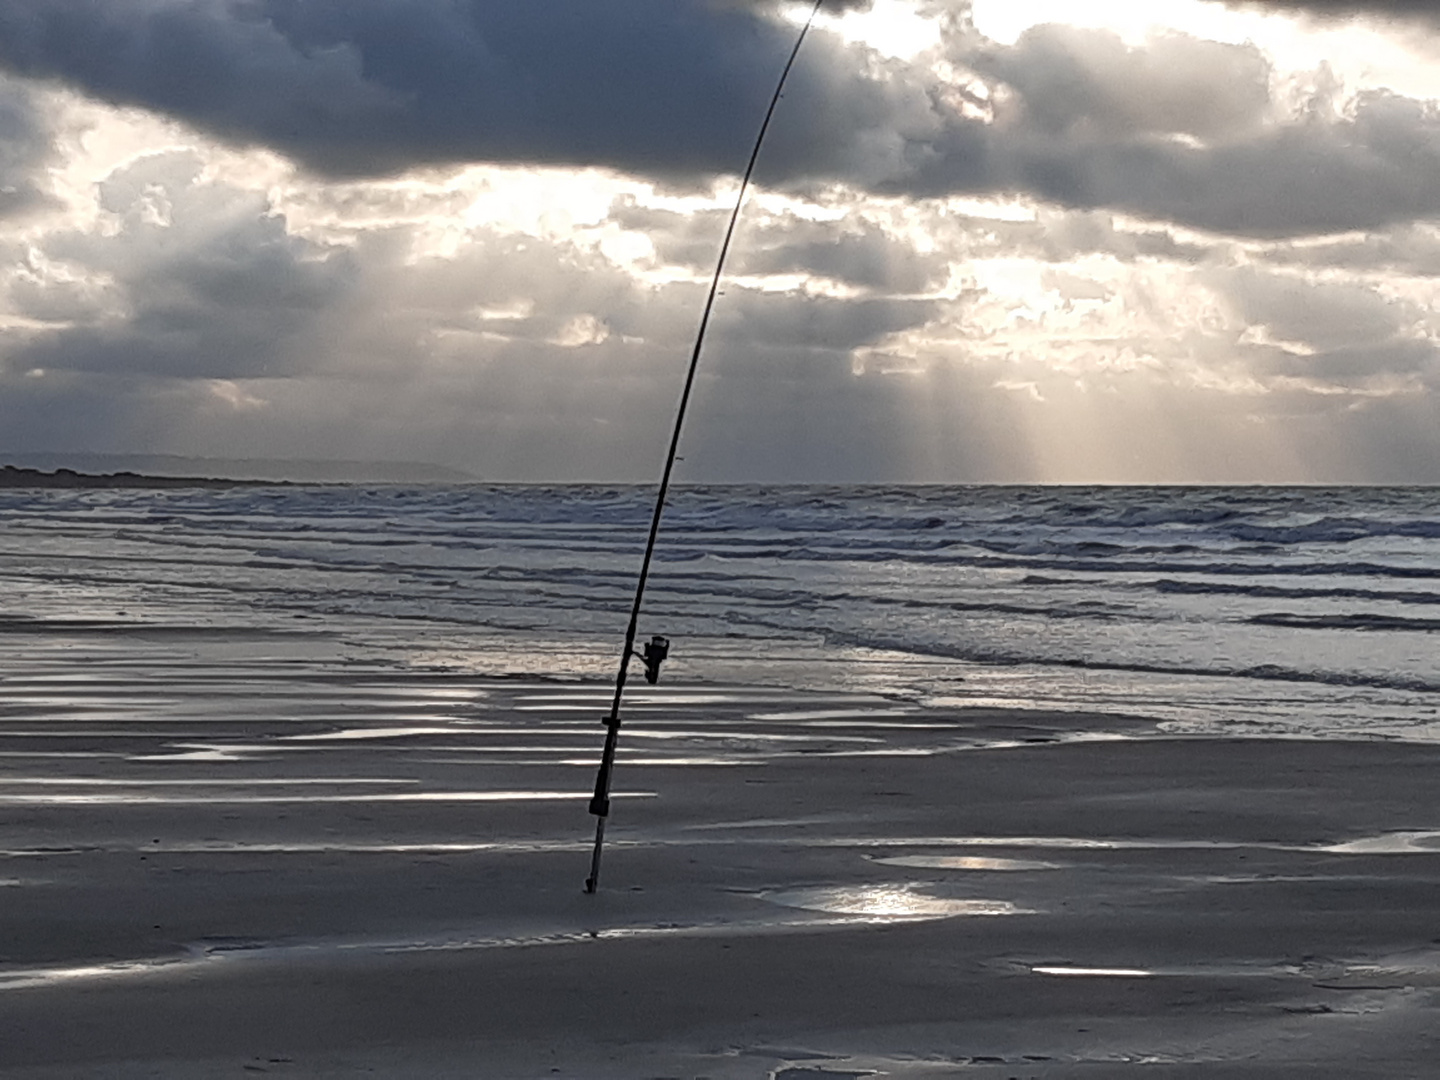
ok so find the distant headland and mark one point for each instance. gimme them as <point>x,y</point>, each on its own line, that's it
<point>13,477</point>
<point>55,469</point>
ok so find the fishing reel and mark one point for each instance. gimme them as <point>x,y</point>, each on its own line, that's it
<point>656,650</point>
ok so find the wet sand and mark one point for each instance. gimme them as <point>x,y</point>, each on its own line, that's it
<point>258,863</point>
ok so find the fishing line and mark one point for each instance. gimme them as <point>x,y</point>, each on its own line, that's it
<point>657,648</point>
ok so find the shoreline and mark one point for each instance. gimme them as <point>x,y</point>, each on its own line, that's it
<point>331,874</point>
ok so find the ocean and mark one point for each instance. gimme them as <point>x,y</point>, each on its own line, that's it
<point>1309,612</point>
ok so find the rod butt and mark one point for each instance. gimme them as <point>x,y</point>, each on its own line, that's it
<point>593,881</point>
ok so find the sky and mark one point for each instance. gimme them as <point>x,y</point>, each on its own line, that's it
<point>999,241</point>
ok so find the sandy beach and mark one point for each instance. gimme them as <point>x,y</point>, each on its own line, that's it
<point>244,862</point>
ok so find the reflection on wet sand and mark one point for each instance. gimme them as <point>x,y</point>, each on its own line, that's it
<point>1426,842</point>
<point>36,977</point>
<point>903,901</point>
<point>226,799</point>
<point>965,862</point>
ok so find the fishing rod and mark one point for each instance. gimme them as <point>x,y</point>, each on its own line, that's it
<point>657,648</point>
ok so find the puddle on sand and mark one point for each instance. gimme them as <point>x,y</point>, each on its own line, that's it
<point>833,714</point>
<point>887,902</point>
<point>592,761</point>
<point>30,978</point>
<point>212,951</point>
<point>241,847</point>
<point>1396,843</point>
<point>965,862</point>
<point>1059,843</point>
<point>1240,969</point>
<point>350,734</point>
<point>240,781</point>
<point>193,755</point>
<point>139,798</point>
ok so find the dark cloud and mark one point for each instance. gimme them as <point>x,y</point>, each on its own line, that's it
<point>650,86</point>
<point>1406,9</point>
<point>1179,130</point>
<point>1192,141</point>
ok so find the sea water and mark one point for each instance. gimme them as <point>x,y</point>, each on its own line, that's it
<point>1305,611</point>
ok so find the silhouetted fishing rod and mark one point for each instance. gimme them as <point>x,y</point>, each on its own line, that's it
<point>658,647</point>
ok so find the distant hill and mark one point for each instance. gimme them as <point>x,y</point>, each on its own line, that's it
<point>12,477</point>
<point>264,470</point>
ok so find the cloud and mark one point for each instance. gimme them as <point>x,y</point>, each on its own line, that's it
<point>1331,336</point>
<point>1412,250</point>
<point>1067,78</point>
<point>1183,276</point>
<point>191,278</point>
<point>654,86</point>
<point>26,146</point>
<point>858,253</point>
<point>767,324</point>
<point>1177,130</point>
<point>190,317</point>
<point>1322,315</point>
<point>1057,236</point>
<point>1407,9</point>
<point>1195,140</point>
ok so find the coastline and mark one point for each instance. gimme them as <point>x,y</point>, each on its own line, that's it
<point>12,476</point>
<point>331,872</point>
